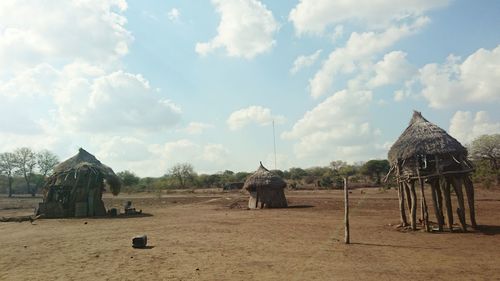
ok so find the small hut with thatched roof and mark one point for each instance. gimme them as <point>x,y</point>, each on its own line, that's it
<point>266,189</point>
<point>76,186</point>
<point>425,153</point>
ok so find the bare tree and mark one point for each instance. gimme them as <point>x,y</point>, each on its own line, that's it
<point>46,161</point>
<point>25,162</point>
<point>7,167</point>
<point>183,172</point>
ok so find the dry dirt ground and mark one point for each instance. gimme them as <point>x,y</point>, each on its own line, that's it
<point>208,236</point>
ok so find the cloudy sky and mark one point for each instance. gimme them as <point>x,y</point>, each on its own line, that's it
<point>144,85</point>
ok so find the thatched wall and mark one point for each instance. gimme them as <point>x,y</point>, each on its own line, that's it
<point>76,186</point>
<point>266,189</point>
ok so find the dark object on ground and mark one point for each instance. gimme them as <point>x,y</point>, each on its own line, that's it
<point>129,210</point>
<point>140,241</point>
<point>233,186</point>
<point>113,212</point>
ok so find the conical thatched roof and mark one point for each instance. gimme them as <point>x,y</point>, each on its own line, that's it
<point>263,178</point>
<point>84,158</point>
<point>423,137</point>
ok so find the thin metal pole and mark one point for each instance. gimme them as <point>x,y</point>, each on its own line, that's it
<point>274,139</point>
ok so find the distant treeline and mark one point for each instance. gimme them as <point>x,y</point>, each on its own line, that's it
<point>24,171</point>
<point>182,175</point>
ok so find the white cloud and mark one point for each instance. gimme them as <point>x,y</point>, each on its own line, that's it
<point>215,153</point>
<point>473,81</point>
<point>331,113</point>
<point>62,88</point>
<point>394,68</point>
<point>84,98</point>
<point>465,126</point>
<point>121,148</point>
<point>196,128</point>
<point>246,29</point>
<point>359,48</point>
<point>174,14</point>
<point>282,161</point>
<point>252,114</point>
<point>204,157</point>
<point>337,33</point>
<point>335,129</point>
<point>34,32</point>
<point>315,16</point>
<point>304,61</point>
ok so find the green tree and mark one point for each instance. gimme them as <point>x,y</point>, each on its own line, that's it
<point>128,178</point>
<point>375,169</point>
<point>241,176</point>
<point>343,170</point>
<point>25,162</point>
<point>7,167</point>
<point>183,173</point>
<point>337,164</point>
<point>297,173</point>
<point>278,173</point>
<point>487,148</point>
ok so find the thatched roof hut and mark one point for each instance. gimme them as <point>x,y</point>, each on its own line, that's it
<point>75,188</point>
<point>266,189</point>
<point>427,154</point>
<point>423,137</point>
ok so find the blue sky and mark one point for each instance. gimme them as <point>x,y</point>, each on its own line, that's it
<point>147,84</point>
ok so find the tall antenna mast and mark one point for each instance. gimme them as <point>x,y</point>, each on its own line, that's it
<point>274,139</point>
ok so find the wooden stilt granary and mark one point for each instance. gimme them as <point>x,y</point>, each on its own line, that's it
<point>426,154</point>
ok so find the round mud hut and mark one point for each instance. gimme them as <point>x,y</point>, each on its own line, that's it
<point>426,154</point>
<point>75,188</point>
<point>266,190</point>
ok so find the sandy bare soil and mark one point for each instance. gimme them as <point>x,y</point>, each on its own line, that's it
<point>207,236</point>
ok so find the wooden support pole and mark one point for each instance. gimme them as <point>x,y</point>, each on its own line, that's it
<point>435,185</point>
<point>346,208</point>
<point>457,186</point>
<point>439,196</point>
<point>413,209</point>
<point>447,199</point>
<point>401,197</point>
<point>469,190</point>
<point>435,200</point>
<point>423,205</point>
<point>408,196</point>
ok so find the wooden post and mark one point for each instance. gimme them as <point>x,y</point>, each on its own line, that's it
<point>401,197</point>
<point>447,199</point>
<point>408,196</point>
<point>346,208</point>
<point>425,213</point>
<point>457,186</point>
<point>423,205</point>
<point>437,208</point>
<point>413,211</point>
<point>257,198</point>
<point>440,204</point>
<point>469,190</point>
<point>436,195</point>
